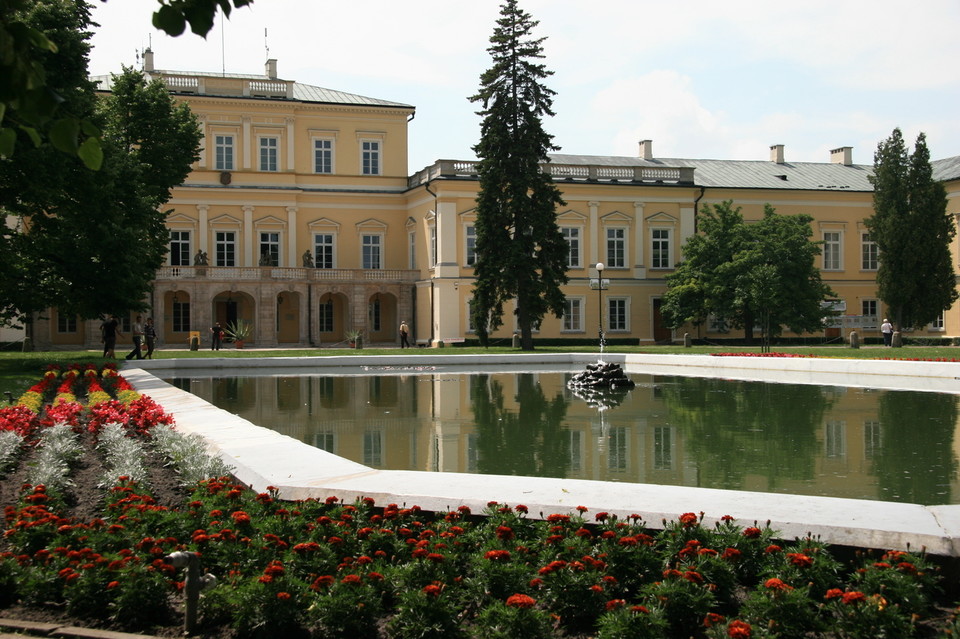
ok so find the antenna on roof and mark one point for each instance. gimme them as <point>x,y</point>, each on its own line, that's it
<point>266,45</point>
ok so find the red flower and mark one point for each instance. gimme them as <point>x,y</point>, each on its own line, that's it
<point>776,584</point>
<point>283,596</point>
<point>739,630</point>
<point>713,619</point>
<point>497,555</point>
<point>520,508</point>
<point>521,601</point>
<point>799,559</point>
<point>432,590</point>
<point>613,604</point>
<point>751,533</point>
<point>854,596</point>
<point>505,533</point>
<point>833,593</point>
<point>240,517</point>
<point>688,520</point>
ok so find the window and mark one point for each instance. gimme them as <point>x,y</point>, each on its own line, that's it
<point>323,250</point>
<point>471,245</point>
<point>324,440</point>
<point>374,311</point>
<point>432,247</point>
<point>617,455</point>
<point>616,248</point>
<point>868,308</point>
<point>370,156</point>
<point>832,259</point>
<point>268,154</point>
<point>323,156</point>
<point>179,248</point>
<point>412,250</point>
<point>572,236</point>
<point>370,246</point>
<point>871,439</point>
<point>325,316</point>
<point>181,317</point>
<point>223,152</point>
<point>870,254</point>
<point>575,446</point>
<point>225,248</point>
<point>66,323</point>
<point>835,442</point>
<point>616,314</point>
<point>660,249</point>
<point>662,448</point>
<point>573,314</point>
<point>269,249</point>
<point>373,448</point>
<point>937,324</point>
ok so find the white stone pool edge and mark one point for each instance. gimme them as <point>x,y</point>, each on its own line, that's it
<point>262,457</point>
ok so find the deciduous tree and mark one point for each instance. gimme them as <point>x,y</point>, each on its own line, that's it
<point>913,233</point>
<point>742,274</point>
<point>89,242</point>
<point>521,253</point>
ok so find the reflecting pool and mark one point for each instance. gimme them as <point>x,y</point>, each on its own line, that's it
<point>780,438</point>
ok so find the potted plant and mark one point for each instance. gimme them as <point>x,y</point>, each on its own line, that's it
<point>239,331</point>
<point>355,338</point>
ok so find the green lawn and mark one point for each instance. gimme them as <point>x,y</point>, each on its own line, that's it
<point>18,371</point>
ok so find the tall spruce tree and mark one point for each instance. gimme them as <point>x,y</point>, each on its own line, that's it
<point>521,253</point>
<point>913,232</point>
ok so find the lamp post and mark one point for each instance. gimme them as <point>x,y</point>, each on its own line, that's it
<point>600,303</point>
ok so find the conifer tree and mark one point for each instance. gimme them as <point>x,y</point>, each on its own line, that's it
<point>913,233</point>
<point>521,253</point>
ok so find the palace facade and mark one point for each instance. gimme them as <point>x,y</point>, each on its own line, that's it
<point>302,218</point>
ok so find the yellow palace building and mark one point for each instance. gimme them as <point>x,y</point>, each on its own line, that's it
<point>302,218</point>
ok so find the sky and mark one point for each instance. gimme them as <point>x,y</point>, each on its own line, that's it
<point>702,79</point>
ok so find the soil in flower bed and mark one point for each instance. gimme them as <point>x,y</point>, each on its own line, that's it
<point>85,501</point>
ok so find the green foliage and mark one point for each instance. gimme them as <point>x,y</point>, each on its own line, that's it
<point>239,330</point>
<point>521,253</point>
<point>90,242</point>
<point>913,233</point>
<point>174,15</point>
<point>748,274</point>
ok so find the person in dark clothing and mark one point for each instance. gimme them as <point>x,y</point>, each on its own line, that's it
<point>150,334</point>
<point>109,331</point>
<point>216,339</point>
<point>404,334</point>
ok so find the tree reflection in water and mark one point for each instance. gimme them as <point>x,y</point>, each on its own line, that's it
<point>526,440</point>
<point>733,429</point>
<point>916,462</point>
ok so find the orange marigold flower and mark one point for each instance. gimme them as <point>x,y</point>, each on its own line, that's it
<point>799,559</point>
<point>852,597</point>
<point>752,532</point>
<point>833,593</point>
<point>521,601</point>
<point>283,596</point>
<point>432,590</point>
<point>613,604</point>
<point>776,584</point>
<point>689,520</point>
<point>739,630</point>
<point>713,619</point>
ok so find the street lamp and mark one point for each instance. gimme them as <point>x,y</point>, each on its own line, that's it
<point>600,303</point>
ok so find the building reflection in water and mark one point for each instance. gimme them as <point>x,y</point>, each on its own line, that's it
<point>784,438</point>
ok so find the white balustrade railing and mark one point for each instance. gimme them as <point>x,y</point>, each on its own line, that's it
<point>250,273</point>
<point>574,172</point>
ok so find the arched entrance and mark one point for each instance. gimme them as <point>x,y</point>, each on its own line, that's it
<point>229,307</point>
<point>333,318</point>
<point>382,320</point>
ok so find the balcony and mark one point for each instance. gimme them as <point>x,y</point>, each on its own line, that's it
<point>281,273</point>
<point>680,175</point>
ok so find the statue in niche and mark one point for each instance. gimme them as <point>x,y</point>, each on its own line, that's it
<point>308,259</point>
<point>200,259</point>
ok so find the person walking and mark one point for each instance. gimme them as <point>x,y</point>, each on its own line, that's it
<point>404,332</point>
<point>109,331</point>
<point>137,334</point>
<point>216,337</point>
<point>887,329</point>
<point>150,334</point>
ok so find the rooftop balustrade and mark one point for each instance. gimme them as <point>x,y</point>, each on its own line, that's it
<point>681,175</point>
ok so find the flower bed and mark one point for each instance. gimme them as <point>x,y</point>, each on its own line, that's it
<point>334,569</point>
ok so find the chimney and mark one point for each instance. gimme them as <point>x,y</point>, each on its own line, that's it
<point>776,153</point>
<point>271,69</point>
<point>148,61</point>
<point>646,149</point>
<point>842,155</point>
